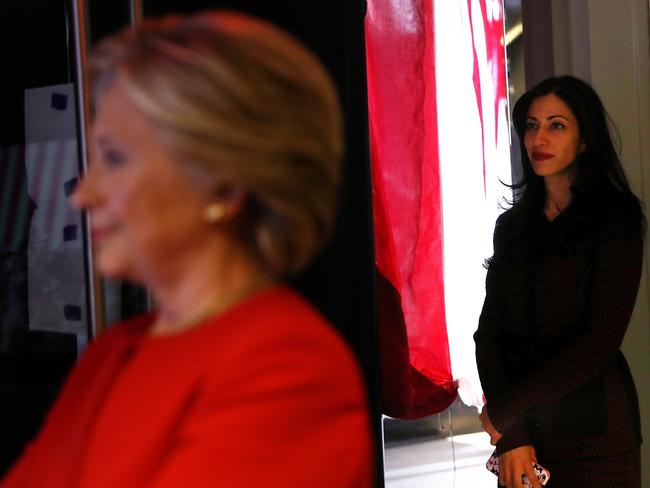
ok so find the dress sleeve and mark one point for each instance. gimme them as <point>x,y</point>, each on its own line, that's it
<point>514,437</point>
<point>488,336</point>
<point>617,263</point>
<point>287,412</point>
<point>489,354</point>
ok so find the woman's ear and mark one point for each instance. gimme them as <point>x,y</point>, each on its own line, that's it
<point>582,147</point>
<point>226,203</point>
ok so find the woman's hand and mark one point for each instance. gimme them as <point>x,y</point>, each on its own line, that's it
<point>516,463</point>
<point>488,427</point>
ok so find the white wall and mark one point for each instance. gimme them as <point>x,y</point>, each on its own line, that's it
<point>607,43</point>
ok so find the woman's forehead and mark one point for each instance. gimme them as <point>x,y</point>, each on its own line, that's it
<point>549,105</point>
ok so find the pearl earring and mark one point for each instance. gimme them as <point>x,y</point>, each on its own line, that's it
<point>215,212</point>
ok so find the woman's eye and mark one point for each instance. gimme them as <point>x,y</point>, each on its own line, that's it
<point>557,125</point>
<point>113,157</point>
<point>531,125</point>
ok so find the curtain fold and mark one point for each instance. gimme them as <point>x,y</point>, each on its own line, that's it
<point>416,368</point>
<point>439,146</point>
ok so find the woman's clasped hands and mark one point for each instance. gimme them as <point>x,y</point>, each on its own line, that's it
<point>489,427</point>
<point>513,464</point>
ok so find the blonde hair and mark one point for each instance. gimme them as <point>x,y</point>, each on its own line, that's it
<point>245,104</point>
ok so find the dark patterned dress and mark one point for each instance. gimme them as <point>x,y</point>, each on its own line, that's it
<point>548,345</point>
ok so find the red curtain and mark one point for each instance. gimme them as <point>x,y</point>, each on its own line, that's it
<point>422,172</point>
<point>415,363</point>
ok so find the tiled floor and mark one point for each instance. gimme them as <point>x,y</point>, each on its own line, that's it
<point>440,463</point>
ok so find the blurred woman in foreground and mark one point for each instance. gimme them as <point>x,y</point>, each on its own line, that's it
<point>214,171</point>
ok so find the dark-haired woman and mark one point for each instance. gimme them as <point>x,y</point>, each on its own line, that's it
<point>561,287</point>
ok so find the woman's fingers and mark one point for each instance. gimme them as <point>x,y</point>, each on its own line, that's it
<point>489,427</point>
<point>495,437</point>
<point>482,417</point>
<point>532,477</point>
<point>514,464</point>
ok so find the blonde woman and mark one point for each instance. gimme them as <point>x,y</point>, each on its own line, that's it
<point>214,169</point>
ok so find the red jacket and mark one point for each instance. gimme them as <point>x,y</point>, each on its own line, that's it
<point>266,394</point>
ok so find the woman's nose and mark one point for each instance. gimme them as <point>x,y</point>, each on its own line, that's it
<point>540,137</point>
<point>85,195</point>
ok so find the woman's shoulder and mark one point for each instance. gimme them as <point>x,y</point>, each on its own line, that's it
<point>616,214</point>
<point>508,216</point>
<point>128,331</point>
<point>281,338</point>
<point>508,226</point>
<point>280,305</point>
<point>278,356</point>
<point>512,217</point>
<point>625,213</point>
<point>281,313</point>
<point>276,321</point>
<point>116,338</point>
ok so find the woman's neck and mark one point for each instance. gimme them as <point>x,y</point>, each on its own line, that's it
<point>558,196</point>
<point>204,285</point>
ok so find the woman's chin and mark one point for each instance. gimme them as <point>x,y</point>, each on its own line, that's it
<point>111,266</point>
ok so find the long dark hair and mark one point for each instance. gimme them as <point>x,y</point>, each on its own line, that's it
<point>599,178</point>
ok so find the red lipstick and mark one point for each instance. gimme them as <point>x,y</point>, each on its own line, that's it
<point>541,156</point>
<point>100,233</point>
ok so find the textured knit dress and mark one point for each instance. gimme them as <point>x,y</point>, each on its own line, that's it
<point>548,344</point>
<point>264,395</point>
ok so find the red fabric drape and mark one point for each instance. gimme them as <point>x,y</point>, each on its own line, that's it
<point>416,368</point>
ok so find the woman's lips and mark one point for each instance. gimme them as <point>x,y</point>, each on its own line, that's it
<point>101,233</point>
<point>541,156</point>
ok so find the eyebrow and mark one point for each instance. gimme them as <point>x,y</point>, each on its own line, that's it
<point>107,139</point>
<point>549,117</point>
